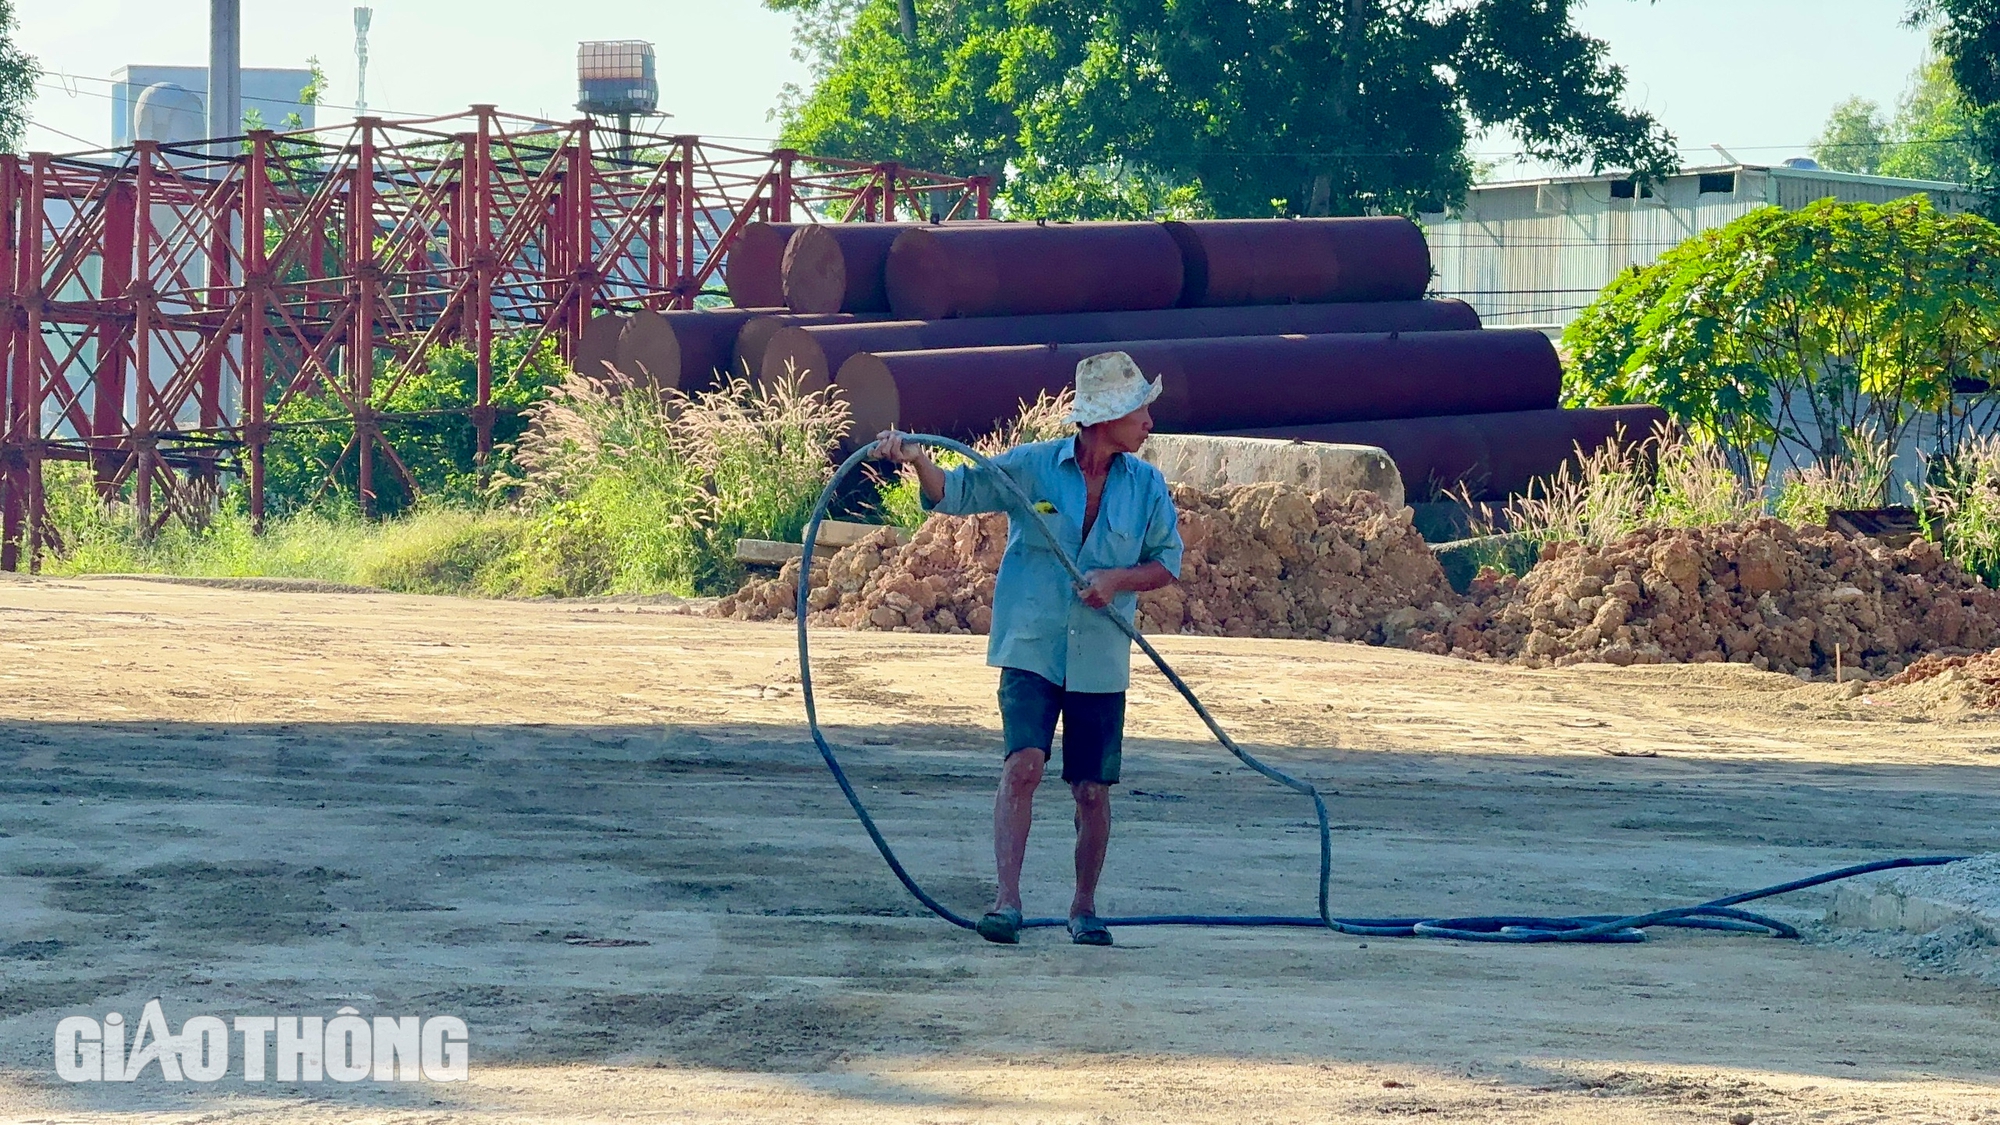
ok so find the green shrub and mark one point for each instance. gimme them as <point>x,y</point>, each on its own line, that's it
<point>1793,330</point>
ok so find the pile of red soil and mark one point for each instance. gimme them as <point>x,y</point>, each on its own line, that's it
<point>1762,593</point>
<point>1268,560</point>
<point>1978,673</point>
<point>1262,560</point>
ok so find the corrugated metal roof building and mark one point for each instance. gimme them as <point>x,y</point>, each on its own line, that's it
<point>1535,252</point>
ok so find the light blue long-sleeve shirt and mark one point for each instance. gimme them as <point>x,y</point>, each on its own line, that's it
<point>1040,625</point>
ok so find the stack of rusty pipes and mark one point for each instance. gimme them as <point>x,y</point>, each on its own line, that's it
<point>1304,330</point>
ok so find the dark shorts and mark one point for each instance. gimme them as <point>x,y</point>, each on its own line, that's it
<point>1093,724</point>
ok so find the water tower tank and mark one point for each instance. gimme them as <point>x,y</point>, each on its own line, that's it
<point>168,113</point>
<point>616,77</point>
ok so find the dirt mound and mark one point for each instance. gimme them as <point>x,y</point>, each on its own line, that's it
<point>1271,561</point>
<point>1262,560</point>
<point>941,581</point>
<point>1975,679</point>
<point>1763,593</point>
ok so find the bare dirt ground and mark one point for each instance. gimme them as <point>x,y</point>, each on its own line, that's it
<point>247,802</point>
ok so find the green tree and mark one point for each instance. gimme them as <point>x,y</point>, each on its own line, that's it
<point>1800,330</point>
<point>1966,33</point>
<point>1318,107</point>
<point>1853,137</point>
<point>18,72</point>
<point>1935,131</point>
<point>1934,135</point>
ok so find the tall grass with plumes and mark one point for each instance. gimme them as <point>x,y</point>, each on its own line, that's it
<point>1695,486</point>
<point>900,500</point>
<point>1666,480</point>
<point>635,492</point>
<point>1961,506</point>
<point>1858,480</point>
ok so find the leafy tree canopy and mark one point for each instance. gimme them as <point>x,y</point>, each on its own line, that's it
<point>1130,107</point>
<point>1801,330</point>
<point>17,82</point>
<point>1854,138</point>
<point>1934,135</point>
<point>1966,33</point>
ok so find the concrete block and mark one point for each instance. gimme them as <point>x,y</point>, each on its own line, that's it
<point>1211,462</point>
<point>767,552</point>
<point>1920,900</point>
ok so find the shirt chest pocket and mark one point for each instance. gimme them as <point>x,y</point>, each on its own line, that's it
<point>1058,530</point>
<point>1112,546</point>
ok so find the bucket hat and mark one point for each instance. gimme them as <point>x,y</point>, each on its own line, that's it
<point>1109,385</point>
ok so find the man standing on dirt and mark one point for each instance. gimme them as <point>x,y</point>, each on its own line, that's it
<point>1058,654</point>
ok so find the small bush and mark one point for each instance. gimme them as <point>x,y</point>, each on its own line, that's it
<point>444,551</point>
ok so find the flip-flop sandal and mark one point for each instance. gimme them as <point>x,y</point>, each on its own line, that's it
<point>1001,926</point>
<point>1089,929</point>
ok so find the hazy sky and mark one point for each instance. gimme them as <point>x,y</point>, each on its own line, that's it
<point>1757,76</point>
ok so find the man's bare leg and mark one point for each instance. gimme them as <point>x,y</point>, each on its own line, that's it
<point>1013,812</point>
<point>1093,837</point>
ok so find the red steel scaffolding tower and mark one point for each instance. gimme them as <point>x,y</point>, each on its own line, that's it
<point>163,301</point>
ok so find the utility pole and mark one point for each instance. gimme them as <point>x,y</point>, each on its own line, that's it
<point>225,68</point>
<point>361,18</point>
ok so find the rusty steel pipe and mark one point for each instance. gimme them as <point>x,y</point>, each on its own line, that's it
<point>754,272</point>
<point>753,341</point>
<point>1274,261</point>
<point>1492,456</point>
<point>1219,384</point>
<point>1022,269</point>
<point>819,350</point>
<point>684,349</point>
<point>838,267</point>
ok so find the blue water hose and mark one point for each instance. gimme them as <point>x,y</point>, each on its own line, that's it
<point>1719,914</point>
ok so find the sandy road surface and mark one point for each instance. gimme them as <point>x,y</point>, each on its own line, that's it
<point>253,802</point>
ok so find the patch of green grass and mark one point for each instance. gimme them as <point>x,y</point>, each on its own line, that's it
<point>434,550</point>
<point>619,491</point>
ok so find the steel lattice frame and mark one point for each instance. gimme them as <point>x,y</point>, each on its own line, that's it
<point>145,335</point>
